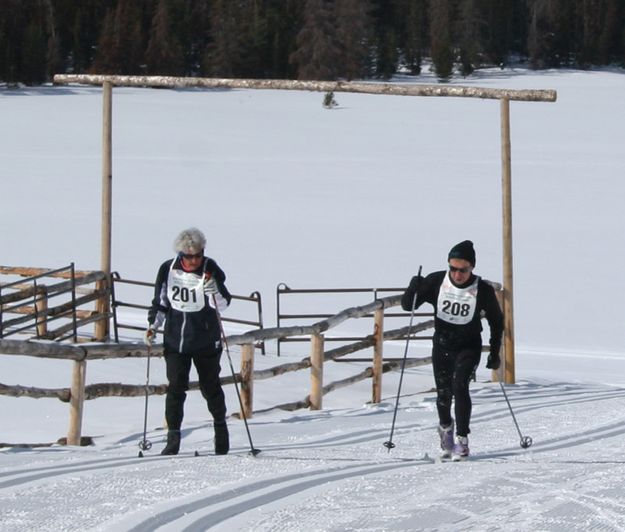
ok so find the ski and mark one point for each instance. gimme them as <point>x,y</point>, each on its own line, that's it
<point>197,453</point>
<point>184,454</point>
<point>443,459</point>
<point>449,456</point>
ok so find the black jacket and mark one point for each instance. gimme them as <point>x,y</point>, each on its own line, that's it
<point>454,337</point>
<point>188,332</point>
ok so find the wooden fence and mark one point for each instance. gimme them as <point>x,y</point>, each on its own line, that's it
<point>50,304</point>
<point>305,298</point>
<point>81,353</point>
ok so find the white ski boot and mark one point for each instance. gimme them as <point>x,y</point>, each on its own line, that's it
<point>461,449</point>
<point>446,435</point>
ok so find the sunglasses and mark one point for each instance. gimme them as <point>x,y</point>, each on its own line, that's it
<point>189,256</point>
<point>453,269</point>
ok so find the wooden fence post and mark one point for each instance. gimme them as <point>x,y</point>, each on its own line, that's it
<point>103,305</point>
<point>316,371</point>
<point>378,347</point>
<point>41,310</point>
<point>247,380</point>
<point>506,191</point>
<point>76,402</point>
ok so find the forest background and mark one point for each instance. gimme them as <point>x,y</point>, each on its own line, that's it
<point>303,39</point>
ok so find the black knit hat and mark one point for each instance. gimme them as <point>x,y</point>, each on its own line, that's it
<point>464,250</point>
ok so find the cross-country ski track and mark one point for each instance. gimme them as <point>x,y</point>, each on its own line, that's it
<point>310,470</point>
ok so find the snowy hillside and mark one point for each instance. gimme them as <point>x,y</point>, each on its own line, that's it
<point>360,195</point>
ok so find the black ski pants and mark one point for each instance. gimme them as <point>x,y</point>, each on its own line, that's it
<point>178,369</point>
<point>452,373</point>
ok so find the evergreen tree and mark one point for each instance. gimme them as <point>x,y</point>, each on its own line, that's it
<point>317,55</point>
<point>53,45</point>
<point>284,20</point>
<point>163,55</point>
<point>253,39</point>
<point>78,26</point>
<point>105,60</point>
<point>610,46</point>
<point>538,44</point>
<point>223,53</point>
<point>81,55</point>
<point>498,30</point>
<point>354,29</point>
<point>469,36</point>
<point>320,39</point>
<point>520,29</point>
<point>441,39</point>
<point>28,45</point>
<point>190,21</point>
<point>414,38</point>
<point>385,49</point>
<point>10,58</point>
<point>329,102</point>
<point>59,31</point>
<point>600,24</point>
<point>3,51</point>
<point>551,32</point>
<point>121,45</point>
<point>39,45</point>
<point>33,54</point>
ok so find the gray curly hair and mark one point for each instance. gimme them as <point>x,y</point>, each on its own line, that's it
<point>190,240</point>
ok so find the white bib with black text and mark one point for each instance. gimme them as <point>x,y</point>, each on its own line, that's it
<point>456,305</point>
<point>185,290</point>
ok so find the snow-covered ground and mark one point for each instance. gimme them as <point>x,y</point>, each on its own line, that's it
<point>361,195</point>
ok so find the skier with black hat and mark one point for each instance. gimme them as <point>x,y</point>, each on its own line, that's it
<point>459,298</point>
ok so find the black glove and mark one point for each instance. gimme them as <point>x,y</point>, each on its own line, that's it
<point>415,283</point>
<point>493,361</point>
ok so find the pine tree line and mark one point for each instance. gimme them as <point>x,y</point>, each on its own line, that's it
<point>302,39</point>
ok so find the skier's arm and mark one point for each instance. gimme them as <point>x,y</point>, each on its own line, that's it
<point>494,316</point>
<point>221,296</point>
<point>160,304</point>
<point>423,287</point>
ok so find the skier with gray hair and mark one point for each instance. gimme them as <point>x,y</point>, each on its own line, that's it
<point>188,288</point>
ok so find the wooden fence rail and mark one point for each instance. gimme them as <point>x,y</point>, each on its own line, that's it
<point>396,89</point>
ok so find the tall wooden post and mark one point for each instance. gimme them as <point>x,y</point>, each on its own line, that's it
<point>103,305</point>
<point>247,380</point>
<point>316,371</point>
<point>76,402</point>
<point>378,355</point>
<point>508,340</point>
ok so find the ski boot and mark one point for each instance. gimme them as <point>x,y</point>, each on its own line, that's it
<point>222,439</point>
<point>461,449</point>
<point>446,435</point>
<point>173,443</point>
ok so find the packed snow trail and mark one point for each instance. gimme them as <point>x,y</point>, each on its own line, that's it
<point>329,470</point>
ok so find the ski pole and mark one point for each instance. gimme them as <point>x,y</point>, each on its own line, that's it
<point>389,444</point>
<point>253,450</point>
<point>526,441</point>
<point>145,444</point>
